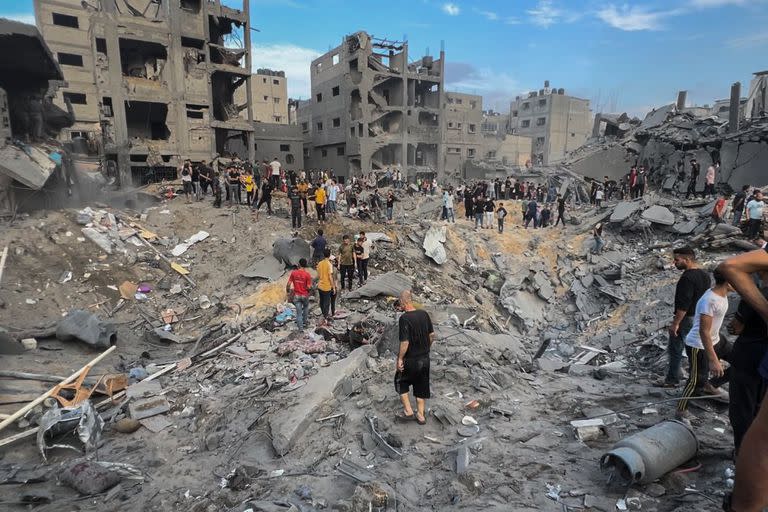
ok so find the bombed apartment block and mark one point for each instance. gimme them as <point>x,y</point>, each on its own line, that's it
<point>556,122</point>
<point>153,82</point>
<point>374,106</point>
<point>29,121</point>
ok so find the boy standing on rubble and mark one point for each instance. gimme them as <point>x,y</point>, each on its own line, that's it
<point>501,213</point>
<point>297,288</point>
<point>701,344</point>
<point>416,337</point>
<point>325,283</point>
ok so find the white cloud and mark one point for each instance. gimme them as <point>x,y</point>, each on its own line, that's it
<point>545,13</point>
<point>451,9</point>
<point>632,18</point>
<point>294,60</point>
<point>489,15</point>
<point>705,4</point>
<point>511,20</point>
<point>750,41</point>
<point>23,18</point>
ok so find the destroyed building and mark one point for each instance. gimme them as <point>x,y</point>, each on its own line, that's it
<point>373,107</point>
<point>669,136</point>
<point>29,76</point>
<point>557,123</point>
<point>154,81</point>
<point>472,135</point>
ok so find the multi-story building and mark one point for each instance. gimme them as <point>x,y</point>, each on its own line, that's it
<point>557,123</point>
<point>269,96</point>
<point>372,107</point>
<point>155,82</point>
<point>462,137</point>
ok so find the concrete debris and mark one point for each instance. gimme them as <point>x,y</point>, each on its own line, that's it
<point>433,244</point>
<point>189,242</point>
<point>391,284</point>
<point>266,267</point>
<point>624,210</point>
<point>291,250</point>
<point>79,325</point>
<point>659,215</point>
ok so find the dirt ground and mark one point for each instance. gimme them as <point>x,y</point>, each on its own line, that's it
<point>222,407</point>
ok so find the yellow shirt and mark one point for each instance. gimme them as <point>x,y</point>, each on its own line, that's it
<point>324,272</point>
<point>303,187</point>
<point>248,183</point>
<point>320,196</point>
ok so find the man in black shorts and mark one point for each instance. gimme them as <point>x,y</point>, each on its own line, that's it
<point>416,337</point>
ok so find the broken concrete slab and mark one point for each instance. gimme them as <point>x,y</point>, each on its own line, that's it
<point>390,284</point>
<point>624,210</point>
<point>140,409</point>
<point>291,250</point>
<point>377,237</point>
<point>103,240</point>
<point>657,117</point>
<point>433,244</point>
<point>543,286</point>
<point>267,267</point>
<point>659,215</point>
<point>189,242</point>
<point>84,326</point>
<point>289,423</point>
<point>685,228</point>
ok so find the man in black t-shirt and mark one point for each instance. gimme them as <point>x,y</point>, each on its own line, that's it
<point>416,337</point>
<point>560,210</point>
<point>266,197</point>
<point>737,207</point>
<point>690,287</point>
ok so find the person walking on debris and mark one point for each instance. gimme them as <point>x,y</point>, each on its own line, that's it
<point>599,197</point>
<point>234,185</point>
<point>530,214</point>
<point>690,287</point>
<point>195,181</point>
<point>718,212</point>
<point>362,260</point>
<point>294,201</point>
<point>275,166</point>
<point>416,335</point>
<point>546,216</point>
<point>217,184</point>
<point>325,284</point>
<point>501,213</point>
<point>297,288</point>
<point>186,182</point>
<point>448,206</point>
<point>709,179</point>
<point>390,205</point>
<point>359,250</point>
<point>560,210</point>
<point>597,235</point>
<point>320,199</point>
<point>266,198</point>
<point>346,262</point>
<point>318,246</point>
<point>737,208</point>
<point>303,187</point>
<point>642,181</point>
<point>695,170</point>
<point>633,182</point>
<point>755,215</point>
<point>468,213</point>
<point>478,208</point>
<point>489,207</point>
<point>703,347</point>
<point>247,181</point>
<point>745,385</point>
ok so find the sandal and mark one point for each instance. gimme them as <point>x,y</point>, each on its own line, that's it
<point>401,416</point>
<point>420,422</point>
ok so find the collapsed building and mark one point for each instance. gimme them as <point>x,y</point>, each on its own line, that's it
<point>371,107</point>
<point>153,82</point>
<point>29,77</point>
<point>669,136</point>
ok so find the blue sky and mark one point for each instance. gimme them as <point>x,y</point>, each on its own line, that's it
<point>623,56</point>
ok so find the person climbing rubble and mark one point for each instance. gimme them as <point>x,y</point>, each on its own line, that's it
<point>597,235</point>
<point>703,347</point>
<point>690,287</point>
<point>416,336</point>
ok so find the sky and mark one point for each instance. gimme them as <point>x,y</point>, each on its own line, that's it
<point>623,56</point>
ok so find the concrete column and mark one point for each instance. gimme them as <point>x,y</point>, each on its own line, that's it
<point>406,121</point>
<point>733,115</point>
<point>177,86</point>
<point>116,92</point>
<point>248,65</point>
<point>681,97</point>
<point>442,123</point>
<point>207,50</point>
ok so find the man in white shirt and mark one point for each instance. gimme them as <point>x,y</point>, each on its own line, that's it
<point>599,196</point>
<point>275,176</point>
<point>709,179</point>
<point>448,207</point>
<point>702,344</point>
<point>755,215</point>
<point>333,192</point>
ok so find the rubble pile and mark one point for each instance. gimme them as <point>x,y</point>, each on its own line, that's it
<point>667,136</point>
<point>211,400</point>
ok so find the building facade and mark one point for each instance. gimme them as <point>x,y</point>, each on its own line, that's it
<point>372,108</point>
<point>462,136</point>
<point>556,123</point>
<point>154,82</point>
<point>269,96</point>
